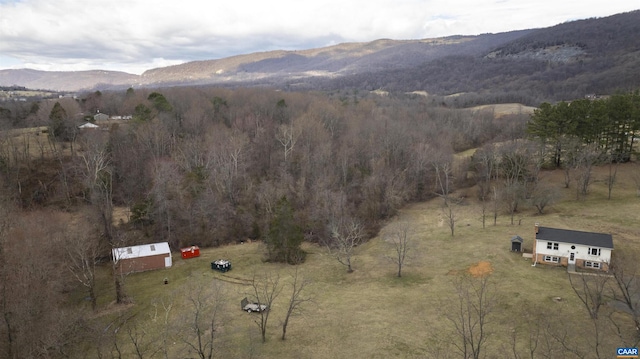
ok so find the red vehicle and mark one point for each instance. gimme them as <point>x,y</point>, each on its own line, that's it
<point>190,252</point>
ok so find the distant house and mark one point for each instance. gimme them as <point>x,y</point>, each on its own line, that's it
<point>142,258</point>
<point>100,117</point>
<point>572,248</point>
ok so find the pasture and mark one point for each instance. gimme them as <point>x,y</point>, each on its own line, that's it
<point>371,313</point>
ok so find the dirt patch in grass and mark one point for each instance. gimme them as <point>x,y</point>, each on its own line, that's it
<point>477,270</point>
<point>481,269</point>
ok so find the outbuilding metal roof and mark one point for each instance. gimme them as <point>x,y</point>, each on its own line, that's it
<point>602,240</point>
<point>145,250</point>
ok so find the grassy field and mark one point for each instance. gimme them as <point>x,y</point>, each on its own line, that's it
<point>371,313</point>
<point>504,109</point>
<point>25,144</point>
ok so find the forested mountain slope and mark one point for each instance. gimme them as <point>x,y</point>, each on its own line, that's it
<point>561,62</point>
<point>600,55</point>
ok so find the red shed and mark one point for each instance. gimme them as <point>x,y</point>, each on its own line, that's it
<point>190,252</point>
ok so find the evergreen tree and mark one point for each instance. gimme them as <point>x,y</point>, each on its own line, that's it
<point>160,102</point>
<point>285,236</point>
<point>142,113</point>
<point>608,124</point>
<point>57,119</point>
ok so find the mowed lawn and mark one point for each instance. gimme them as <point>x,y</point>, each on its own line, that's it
<point>371,313</point>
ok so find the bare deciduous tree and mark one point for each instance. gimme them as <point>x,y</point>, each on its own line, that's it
<point>614,161</point>
<point>287,136</point>
<point>98,179</point>
<point>400,238</point>
<point>346,234</point>
<point>512,194</point>
<point>266,289</point>
<point>515,158</point>
<point>140,338</point>
<point>541,331</point>
<point>33,320</point>
<point>83,250</point>
<point>586,159</point>
<point>119,275</point>
<point>544,196</point>
<point>475,304</point>
<point>495,198</point>
<point>625,269</point>
<point>444,183</point>
<point>200,330</point>
<point>591,289</point>
<point>295,300</point>
<point>484,161</point>
<point>165,305</point>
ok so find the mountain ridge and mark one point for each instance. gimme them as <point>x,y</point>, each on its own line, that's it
<point>591,55</point>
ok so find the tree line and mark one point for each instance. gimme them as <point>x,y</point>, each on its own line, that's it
<point>609,125</point>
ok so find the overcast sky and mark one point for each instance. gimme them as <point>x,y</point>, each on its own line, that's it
<point>136,35</point>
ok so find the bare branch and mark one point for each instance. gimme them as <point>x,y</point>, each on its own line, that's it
<point>400,239</point>
<point>295,300</point>
<point>265,289</point>
<point>346,235</point>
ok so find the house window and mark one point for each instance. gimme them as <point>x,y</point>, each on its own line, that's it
<point>589,264</point>
<point>553,245</point>
<point>153,247</point>
<point>552,259</point>
<point>130,250</point>
<point>594,251</point>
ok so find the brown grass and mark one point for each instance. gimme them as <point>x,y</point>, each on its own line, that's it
<point>371,313</point>
<point>505,109</point>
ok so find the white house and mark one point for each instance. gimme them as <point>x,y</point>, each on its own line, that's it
<point>142,258</point>
<point>572,248</point>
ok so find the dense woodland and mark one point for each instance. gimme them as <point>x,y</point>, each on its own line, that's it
<point>201,166</point>
<point>209,167</point>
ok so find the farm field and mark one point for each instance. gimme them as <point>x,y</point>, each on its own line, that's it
<point>371,313</point>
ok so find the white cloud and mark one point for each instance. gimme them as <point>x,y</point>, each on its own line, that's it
<point>134,35</point>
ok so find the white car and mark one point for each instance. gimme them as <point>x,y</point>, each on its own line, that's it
<point>250,307</point>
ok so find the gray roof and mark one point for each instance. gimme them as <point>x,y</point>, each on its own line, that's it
<point>517,239</point>
<point>602,240</point>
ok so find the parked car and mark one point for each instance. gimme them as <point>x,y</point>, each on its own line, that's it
<point>221,265</point>
<point>250,307</point>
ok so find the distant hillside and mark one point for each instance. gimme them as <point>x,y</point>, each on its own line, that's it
<point>277,68</point>
<point>66,80</point>
<point>560,62</point>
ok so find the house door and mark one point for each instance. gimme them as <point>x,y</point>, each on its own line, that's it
<point>572,258</point>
